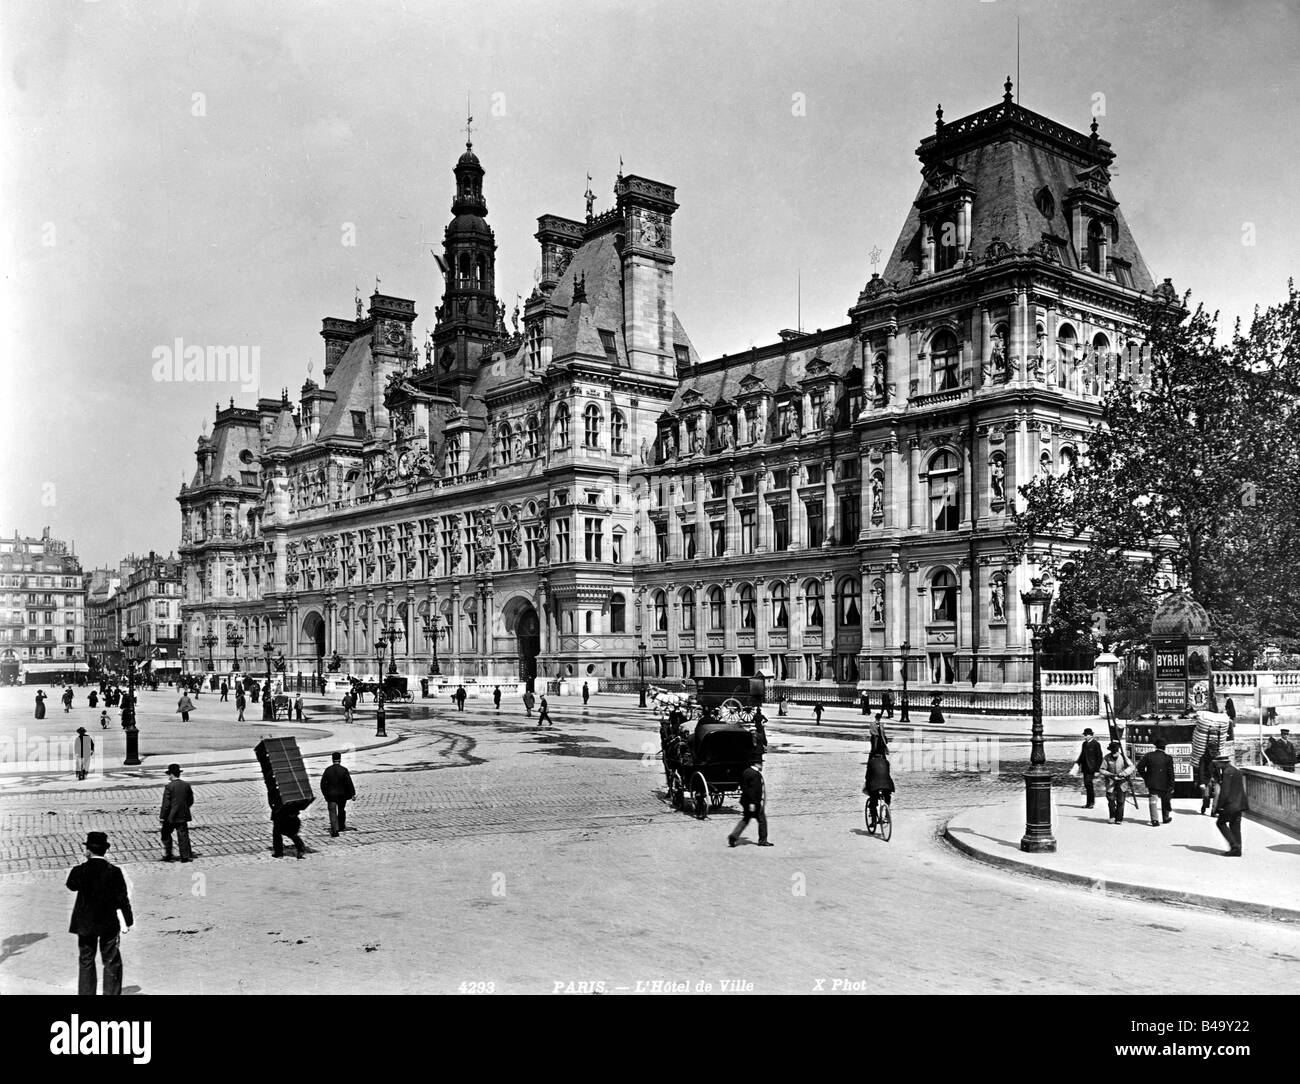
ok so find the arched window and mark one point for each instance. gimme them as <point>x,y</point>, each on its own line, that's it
<point>504,437</point>
<point>1096,246</point>
<point>561,427</point>
<point>591,426</point>
<point>531,444</point>
<point>463,266</point>
<point>451,457</point>
<point>945,244</point>
<point>1066,342</point>
<point>748,619</point>
<point>688,609</point>
<point>1103,363</point>
<point>849,603</point>
<point>813,595</point>
<point>943,596</point>
<point>945,492</point>
<point>479,273</point>
<point>1066,463</point>
<point>617,613</point>
<point>944,361</point>
<point>617,431</point>
<point>717,608</point>
<point>780,606</point>
<point>661,611</point>
<point>1045,463</point>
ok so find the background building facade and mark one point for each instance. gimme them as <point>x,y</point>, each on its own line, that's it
<point>43,603</point>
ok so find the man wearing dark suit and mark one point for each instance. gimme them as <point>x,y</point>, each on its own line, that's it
<point>1230,803</point>
<point>1157,770</point>
<point>177,798</point>
<point>753,798</point>
<point>337,789</point>
<point>1089,763</point>
<point>101,893</point>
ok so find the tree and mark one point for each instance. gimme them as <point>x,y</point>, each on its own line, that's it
<point>1191,478</point>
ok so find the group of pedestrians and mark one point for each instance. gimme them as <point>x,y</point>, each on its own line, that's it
<point>1222,786</point>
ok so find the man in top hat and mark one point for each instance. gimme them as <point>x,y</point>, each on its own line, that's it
<point>1089,762</point>
<point>177,798</point>
<point>1157,770</point>
<point>83,748</point>
<point>1230,803</point>
<point>337,788</point>
<point>101,893</point>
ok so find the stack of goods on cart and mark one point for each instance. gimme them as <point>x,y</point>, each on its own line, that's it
<point>665,702</point>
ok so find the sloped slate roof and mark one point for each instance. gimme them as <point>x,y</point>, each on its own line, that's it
<point>351,381</point>
<point>840,355</point>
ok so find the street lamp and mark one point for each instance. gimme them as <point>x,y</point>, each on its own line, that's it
<point>234,638</point>
<point>180,654</point>
<point>129,643</point>
<point>394,633</point>
<point>1038,780</point>
<point>905,654</point>
<point>641,669</point>
<point>268,707</point>
<point>380,728</point>
<point>431,633</point>
<point>210,641</point>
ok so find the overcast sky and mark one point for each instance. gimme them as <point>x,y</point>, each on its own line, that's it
<point>197,170</point>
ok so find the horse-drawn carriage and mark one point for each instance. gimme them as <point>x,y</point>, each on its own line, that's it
<point>394,687</point>
<point>729,699</point>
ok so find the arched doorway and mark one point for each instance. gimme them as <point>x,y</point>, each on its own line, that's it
<point>528,638</point>
<point>312,640</point>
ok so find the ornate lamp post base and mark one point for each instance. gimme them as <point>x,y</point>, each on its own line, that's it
<point>132,745</point>
<point>1038,838</point>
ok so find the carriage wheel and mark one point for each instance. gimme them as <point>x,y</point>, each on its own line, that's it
<point>731,710</point>
<point>718,798</point>
<point>700,795</point>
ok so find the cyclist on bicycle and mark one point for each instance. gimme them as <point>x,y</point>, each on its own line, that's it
<point>878,783</point>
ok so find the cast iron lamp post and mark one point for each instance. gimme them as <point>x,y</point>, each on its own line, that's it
<point>641,669</point>
<point>1038,780</point>
<point>234,638</point>
<point>393,632</point>
<point>431,633</point>
<point>380,729</point>
<point>210,641</point>
<point>905,655</point>
<point>129,644</point>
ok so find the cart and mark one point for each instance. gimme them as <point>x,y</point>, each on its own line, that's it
<point>395,689</point>
<point>707,764</point>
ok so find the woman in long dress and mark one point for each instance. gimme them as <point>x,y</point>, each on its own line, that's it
<point>40,703</point>
<point>936,716</point>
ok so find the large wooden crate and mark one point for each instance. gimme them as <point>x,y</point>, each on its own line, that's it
<point>287,782</point>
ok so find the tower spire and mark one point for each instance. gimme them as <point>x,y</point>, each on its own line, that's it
<point>469,126</point>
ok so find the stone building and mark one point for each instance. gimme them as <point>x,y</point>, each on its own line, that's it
<point>820,505</point>
<point>42,610</point>
<point>544,497</point>
<point>471,505</point>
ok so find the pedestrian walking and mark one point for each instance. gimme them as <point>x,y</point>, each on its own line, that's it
<point>936,716</point>
<point>184,705</point>
<point>586,694</point>
<point>67,699</point>
<point>349,701</point>
<point>225,690</point>
<point>1157,770</point>
<point>887,703</point>
<point>1116,771</point>
<point>865,702</point>
<point>1089,764</point>
<point>529,701</point>
<point>93,699</point>
<point>780,706</point>
<point>40,703</point>
<point>496,697</point>
<point>101,894</point>
<point>255,692</point>
<point>1230,803</point>
<point>286,822</point>
<point>1207,740</point>
<point>178,797</point>
<point>337,789</point>
<point>297,706</point>
<point>83,748</point>
<point>1230,710</point>
<point>460,697</point>
<point>760,732</point>
<point>543,713</point>
<point>817,711</point>
<point>753,796</point>
<point>268,705</point>
<point>103,719</point>
<point>241,702</point>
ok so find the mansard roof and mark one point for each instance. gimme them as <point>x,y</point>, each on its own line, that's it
<point>777,365</point>
<point>351,381</point>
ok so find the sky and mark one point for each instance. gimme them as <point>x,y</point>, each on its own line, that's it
<point>230,173</point>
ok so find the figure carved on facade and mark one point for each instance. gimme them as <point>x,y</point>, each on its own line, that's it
<point>724,433</point>
<point>697,434</point>
<point>670,445</point>
<point>878,602</point>
<point>753,427</point>
<point>1039,359</point>
<point>878,381</point>
<point>997,610</point>
<point>645,451</point>
<point>877,498</point>
<point>997,472</point>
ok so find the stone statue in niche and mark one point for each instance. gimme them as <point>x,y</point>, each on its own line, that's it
<point>877,497</point>
<point>697,434</point>
<point>645,451</point>
<point>997,472</point>
<point>724,433</point>
<point>997,607</point>
<point>878,603</point>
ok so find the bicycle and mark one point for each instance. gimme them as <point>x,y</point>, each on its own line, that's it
<point>883,823</point>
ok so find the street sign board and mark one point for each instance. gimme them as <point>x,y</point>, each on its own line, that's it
<point>1171,697</point>
<point>1277,698</point>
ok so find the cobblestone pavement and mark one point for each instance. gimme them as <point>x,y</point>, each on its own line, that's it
<point>490,851</point>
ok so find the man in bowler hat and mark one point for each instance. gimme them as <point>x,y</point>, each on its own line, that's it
<point>753,798</point>
<point>1157,770</point>
<point>337,789</point>
<point>101,893</point>
<point>1089,762</point>
<point>1230,803</point>
<point>177,798</point>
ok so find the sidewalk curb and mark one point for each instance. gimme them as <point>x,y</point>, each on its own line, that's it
<point>1237,908</point>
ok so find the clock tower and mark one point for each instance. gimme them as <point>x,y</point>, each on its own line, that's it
<point>468,318</point>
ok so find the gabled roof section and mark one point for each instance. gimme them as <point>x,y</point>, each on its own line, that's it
<point>773,366</point>
<point>596,271</point>
<point>350,380</point>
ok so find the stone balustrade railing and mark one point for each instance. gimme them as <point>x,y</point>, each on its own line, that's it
<point>1274,795</point>
<point>1073,678</point>
<point>1237,680</point>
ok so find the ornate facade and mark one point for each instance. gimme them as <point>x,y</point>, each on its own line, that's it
<point>543,498</point>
